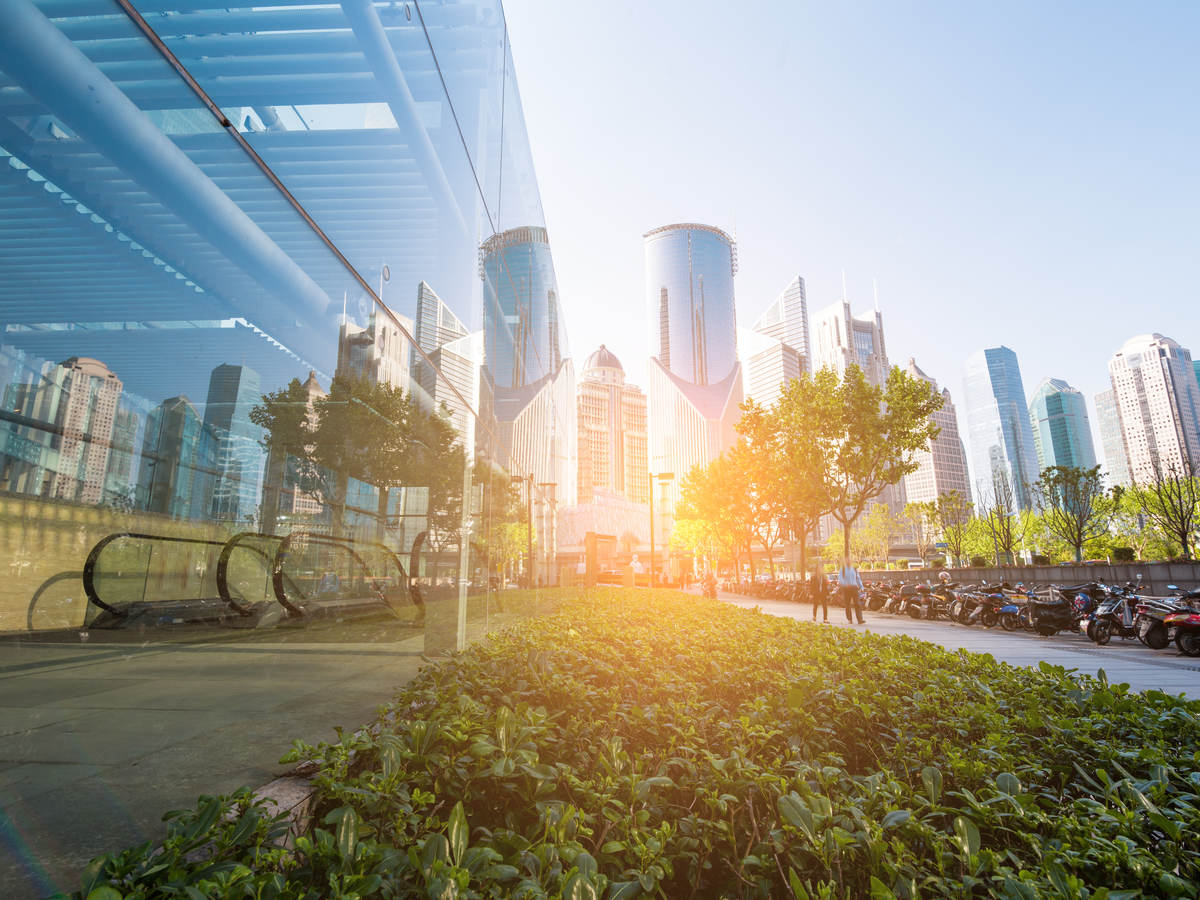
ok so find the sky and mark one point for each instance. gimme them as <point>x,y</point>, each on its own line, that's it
<point>1017,173</point>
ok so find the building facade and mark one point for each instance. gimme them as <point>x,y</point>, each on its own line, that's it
<point>768,365</point>
<point>611,432</point>
<point>841,340</point>
<point>786,320</point>
<point>1158,403</point>
<point>942,467</point>
<point>1002,453</point>
<point>1108,422</point>
<point>1062,433</point>
<point>694,384</point>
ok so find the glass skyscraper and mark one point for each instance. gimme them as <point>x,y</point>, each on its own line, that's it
<point>1003,456</point>
<point>689,292</point>
<point>1062,434</point>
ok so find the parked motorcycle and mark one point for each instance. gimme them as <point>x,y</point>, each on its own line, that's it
<point>1183,628</point>
<point>1113,615</point>
<point>1151,612</point>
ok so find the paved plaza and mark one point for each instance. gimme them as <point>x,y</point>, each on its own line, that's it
<point>1122,660</point>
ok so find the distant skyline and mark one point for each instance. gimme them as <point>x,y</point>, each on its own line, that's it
<point>1023,174</point>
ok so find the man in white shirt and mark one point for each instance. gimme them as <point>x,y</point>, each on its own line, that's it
<point>850,587</point>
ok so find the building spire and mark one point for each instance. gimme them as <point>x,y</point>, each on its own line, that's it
<point>875,290</point>
<point>845,298</point>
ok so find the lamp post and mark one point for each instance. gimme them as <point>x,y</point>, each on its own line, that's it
<point>528,481</point>
<point>549,534</point>
<point>662,478</point>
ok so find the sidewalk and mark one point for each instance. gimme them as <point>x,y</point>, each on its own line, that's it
<point>1126,661</point>
<point>97,741</point>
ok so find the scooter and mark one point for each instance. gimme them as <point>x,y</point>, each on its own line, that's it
<point>1183,628</point>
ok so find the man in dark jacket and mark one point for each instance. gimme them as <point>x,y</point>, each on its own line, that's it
<point>818,591</point>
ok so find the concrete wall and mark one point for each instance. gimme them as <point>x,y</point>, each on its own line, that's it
<point>1155,576</point>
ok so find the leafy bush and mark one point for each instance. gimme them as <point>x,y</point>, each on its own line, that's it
<point>1123,554</point>
<point>640,744</point>
<point>979,562</point>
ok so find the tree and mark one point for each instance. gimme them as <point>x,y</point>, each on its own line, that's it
<point>952,515</point>
<point>1129,526</point>
<point>795,428</point>
<point>1170,500</point>
<point>877,532</point>
<point>920,520</point>
<point>717,494</point>
<point>760,464</point>
<point>1002,517</point>
<point>874,432</point>
<point>1071,505</point>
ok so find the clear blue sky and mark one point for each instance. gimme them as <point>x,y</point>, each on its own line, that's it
<point>1018,173</point>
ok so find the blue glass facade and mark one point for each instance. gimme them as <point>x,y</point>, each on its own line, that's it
<point>1062,434</point>
<point>219,228</point>
<point>998,429</point>
<point>689,295</point>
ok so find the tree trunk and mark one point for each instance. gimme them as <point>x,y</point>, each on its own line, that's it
<point>803,542</point>
<point>845,541</point>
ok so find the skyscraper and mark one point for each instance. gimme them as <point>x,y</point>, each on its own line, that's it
<point>233,392</point>
<point>1158,401</point>
<point>689,290</point>
<point>1108,421</point>
<point>942,465</point>
<point>456,353</point>
<point>768,365</point>
<point>841,340</point>
<point>612,431</point>
<point>786,320</point>
<point>378,352</point>
<point>998,428</point>
<point>177,471</point>
<point>694,387</point>
<point>1062,434</point>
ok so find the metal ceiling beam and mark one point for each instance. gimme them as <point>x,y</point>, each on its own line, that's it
<point>53,70</point>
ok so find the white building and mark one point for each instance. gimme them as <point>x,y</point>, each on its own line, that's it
<point>841,340</point>
<point>786,320</point>
<point>1158,402</point>
<point>612,431</point>
<point>943,465</point>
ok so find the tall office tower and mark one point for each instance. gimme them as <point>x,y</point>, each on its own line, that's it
<point>456,353</point>
<point>767,365</point>
<point>379,352</point>
<point>841,340</point>
<point>1062,434</point>
<point>1158,401</point>
<point>177,470</point>
<point>612,431</point>
<point>1108,420</point>
<point>998,427</point>
<point>943,464</point>
<point>694,388</point>
<point>61,431</point>
<point>786,320</point>
<point>522,339</point>
<point>233,391</point>
<point>436,324</point>
<point>1196,369</point>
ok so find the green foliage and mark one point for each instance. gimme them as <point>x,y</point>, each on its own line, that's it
<point>1072,505</point>
<point>655,745</point>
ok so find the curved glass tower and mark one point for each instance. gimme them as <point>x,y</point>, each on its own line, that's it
<point>1001,437</point>
<point>689,292</point>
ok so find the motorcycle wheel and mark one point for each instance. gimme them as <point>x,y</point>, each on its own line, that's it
<point>988,619</point>
<point>1008,621</point>
<point>1101,632</point>
<point>1188,642</point>
<point>1156,636</point>
<point>914,610</point>
<point>1045,630</point>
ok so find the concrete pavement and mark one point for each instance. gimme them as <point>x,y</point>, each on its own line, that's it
<point>1127,661</point>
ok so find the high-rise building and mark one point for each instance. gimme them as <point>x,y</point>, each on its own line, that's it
<point>943,464</point>
<point>1062,434</point>
<point>694,386</point>
<point>456,353</point>
<point>436,323</point>
<point>378,352</point>
<point>786,320</point>
<point>612,431</point>
<point>767,365</point>
<point>998,429</point>
<point>689,292</point>
<point>177,470</point>
<point>233,391</point>
<point>1108,421</point>
<point>1158,401</point>
<point>841,340</point>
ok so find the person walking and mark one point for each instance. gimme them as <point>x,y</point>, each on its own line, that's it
<point>818,591</point>
<point>850,587</point>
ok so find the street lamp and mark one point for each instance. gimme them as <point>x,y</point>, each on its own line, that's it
<point>663,478</point>
<point>549,535</point>
<point>522,479</point>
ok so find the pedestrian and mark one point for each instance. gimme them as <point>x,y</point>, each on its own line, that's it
<point>818,590</point>
<point>850,587</point>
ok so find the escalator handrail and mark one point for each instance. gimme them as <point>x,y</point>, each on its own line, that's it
<point>89,566</point>
<point>223,566</point>
<point>281,554</point>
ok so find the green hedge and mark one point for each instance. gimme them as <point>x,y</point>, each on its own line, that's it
<point>640,744</point>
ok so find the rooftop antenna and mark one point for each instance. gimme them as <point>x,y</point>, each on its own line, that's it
<point>343,307</point>
<point>845,299</point>
<point>875,289</point>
